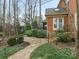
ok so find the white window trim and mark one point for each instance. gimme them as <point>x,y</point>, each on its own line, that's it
<point>76,21</point>
<point>58,23</point>
<point>63,22</point>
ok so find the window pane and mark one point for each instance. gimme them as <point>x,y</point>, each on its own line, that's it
<point>55,23</point>
<point>60,23</point>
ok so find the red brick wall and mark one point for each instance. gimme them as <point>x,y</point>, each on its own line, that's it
<point>66,23</point>
<point>73,10</point>
<point>49,27</point>
<point>50,24</point>
<point>72,6</point>
<point>61,4</point>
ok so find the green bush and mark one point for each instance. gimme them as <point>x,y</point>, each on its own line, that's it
<point>28,33</point>
<point>61,30</point>
<point>62,37</point>
<point>34,24</point>
<point>20,40</point>
<point>12,42</point>
<point>21,30</point>
<point>41,34</point>
<point>34,32</point>
<point>15,40</point>
<point>28,26</point>
<point>1,28</point>
<point>1,34</point>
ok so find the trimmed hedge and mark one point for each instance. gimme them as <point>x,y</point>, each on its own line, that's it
<point>41,34</point>
<point>20,40</point>
<point>36,33</point>
<point>15,40</point>
<point>12,41</point>
<point>28,33</point>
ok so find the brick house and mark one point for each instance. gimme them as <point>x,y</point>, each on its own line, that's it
<point>64,15</point>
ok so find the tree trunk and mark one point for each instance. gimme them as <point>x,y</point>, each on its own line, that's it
<point>40,13</point>
<point>14,7</point>
<point>9,19</point>
<point>4,7</point>
<point>17,21</point>
<point>77,40</point>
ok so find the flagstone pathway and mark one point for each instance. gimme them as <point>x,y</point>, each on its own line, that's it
<point>25,53</point>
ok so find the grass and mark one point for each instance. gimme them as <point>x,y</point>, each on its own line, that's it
<point>8,51</point>
<point>48,51</point>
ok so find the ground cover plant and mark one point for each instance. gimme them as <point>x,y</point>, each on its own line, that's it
<point>8,51</point>
<point>48,51</point>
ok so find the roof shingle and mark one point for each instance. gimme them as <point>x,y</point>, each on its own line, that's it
<point>54,11</point>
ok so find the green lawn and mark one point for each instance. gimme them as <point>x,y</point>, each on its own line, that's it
<point>48,51</point>
<point>8,51</point>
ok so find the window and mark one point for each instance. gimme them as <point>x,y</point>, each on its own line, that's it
<point>67,1</point>
<point>58,23</point>
<point>55,23</point>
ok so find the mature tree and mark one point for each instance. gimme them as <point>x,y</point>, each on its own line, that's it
<point>17,20</point>
<point>1,13</point>
<point>9,17</point>
<point>34,8</point>
<point>14,9</point>
<point>4,8</point>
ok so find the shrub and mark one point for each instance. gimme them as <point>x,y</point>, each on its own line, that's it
<point>15,40</point>
<point>20,40</point>
<point>28,26</point>
<point>34,32</point>
<point>34,24</point>
<point>21,30</point>
<point>29,33</point>
<point>1,34</point>
<point>12,42</point>
<point>61,30</point>
<point>1,29</point>
<point>41,34</point>
<point>62,37</point>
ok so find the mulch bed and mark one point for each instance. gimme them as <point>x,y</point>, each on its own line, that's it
<point>61,45</point>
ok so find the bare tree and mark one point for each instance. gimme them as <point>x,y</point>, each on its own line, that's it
<point>4,7</point>
<point>14,9</point>
<point>9,17</point>
<point>9,10</point>
<point>17,20</point>
<point>34,8</point>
